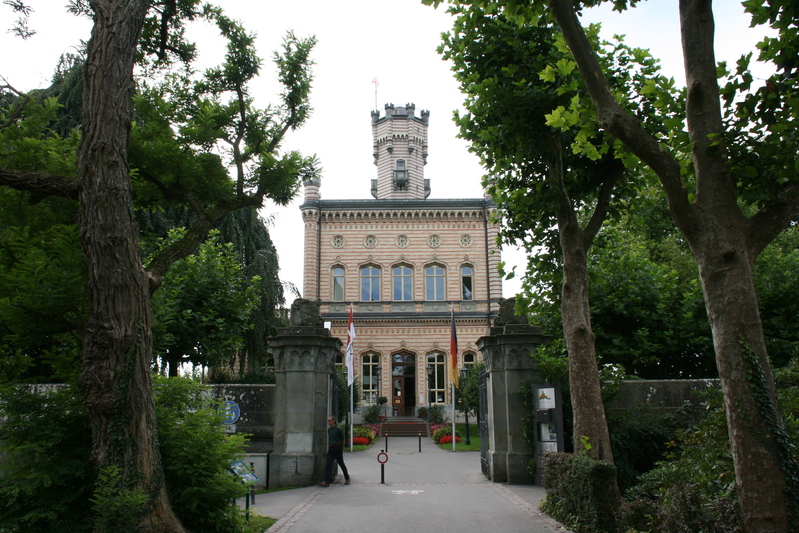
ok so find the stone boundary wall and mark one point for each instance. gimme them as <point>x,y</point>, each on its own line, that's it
<point>257,404</point>
<point>664,395</point>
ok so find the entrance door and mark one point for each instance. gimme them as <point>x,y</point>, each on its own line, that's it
<point>403,384</point>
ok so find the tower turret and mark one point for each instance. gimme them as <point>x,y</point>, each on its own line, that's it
<point>400,152</point>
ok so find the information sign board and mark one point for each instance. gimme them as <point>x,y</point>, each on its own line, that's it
<point>243,471</point>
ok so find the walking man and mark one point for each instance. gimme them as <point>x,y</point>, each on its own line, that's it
<point>335,452</point>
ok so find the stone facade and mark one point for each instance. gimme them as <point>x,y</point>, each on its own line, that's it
<point>402,262</point>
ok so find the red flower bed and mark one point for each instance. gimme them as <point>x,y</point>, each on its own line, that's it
<point>447,439</point>
<point>360,440</point>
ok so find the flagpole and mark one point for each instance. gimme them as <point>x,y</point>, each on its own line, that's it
<point>453,348</point>
<point>351,371</point>
<point>352,388</point>
<point>453,416</point>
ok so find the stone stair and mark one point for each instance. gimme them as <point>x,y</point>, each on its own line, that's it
<point>404,426</point>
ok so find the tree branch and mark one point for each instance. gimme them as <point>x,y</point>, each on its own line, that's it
<point>772,218</point>
<point>39,184</point>
<point>615,172</point>
<point>195,235</point>
<point>24,99</point>
<point>616,120</point>
<point>702,106</point>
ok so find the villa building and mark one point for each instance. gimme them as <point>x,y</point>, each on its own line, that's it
<point>404,262</point>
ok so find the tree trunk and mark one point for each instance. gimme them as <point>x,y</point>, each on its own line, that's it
<point>586,395</point>
<point>117,350</point>
<point>575,309</point>
<point>172,365</point>
<point>725,266</point>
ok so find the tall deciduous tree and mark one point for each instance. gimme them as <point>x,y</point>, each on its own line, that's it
<point>731,184</point>
<point>548,168</point>
<point>203,308</point>
<point>117,345</point>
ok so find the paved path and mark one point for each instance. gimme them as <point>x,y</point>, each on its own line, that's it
<point>432,491</point>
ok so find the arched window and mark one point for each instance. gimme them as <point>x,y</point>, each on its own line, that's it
<point>467,279</point>
<point>434,283</point>
<point>338,284</point>
<point>436,378</point>
<point>370,376</point>
<point>370,284</point>
<point>403,283</point>
<point>468,359</point>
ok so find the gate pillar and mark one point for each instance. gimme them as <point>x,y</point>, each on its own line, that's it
<point>304,355</point>
<point>506,350</point>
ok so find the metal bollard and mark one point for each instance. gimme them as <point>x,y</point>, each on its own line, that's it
<point>420,443</point>
<point>382,457</point>
<point>252,487</point>
<point>268,456</point>
<point>386,434</point>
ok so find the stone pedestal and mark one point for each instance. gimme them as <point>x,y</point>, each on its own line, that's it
<point>506,350</point>
<point>304,372</point>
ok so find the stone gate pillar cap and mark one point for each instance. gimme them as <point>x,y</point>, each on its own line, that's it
<point>305,313</point>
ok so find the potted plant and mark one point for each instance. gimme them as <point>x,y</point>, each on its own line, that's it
<point>382,401</point>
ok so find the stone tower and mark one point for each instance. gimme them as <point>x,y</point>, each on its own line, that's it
<point>400,151</point>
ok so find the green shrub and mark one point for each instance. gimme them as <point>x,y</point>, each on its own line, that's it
<point>436,414</point>
<point>116,507</point>
<point>693,489</point>
<point>196,457</point>
<point>371,414</point>
<point>422,413</point>
<point>46,480</point>
<point>361,431</point>
<point>639,439</point>
<point>47,483</point>
<point>580,492</point>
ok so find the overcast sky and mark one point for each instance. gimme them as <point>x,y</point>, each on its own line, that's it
<point>393,41</point>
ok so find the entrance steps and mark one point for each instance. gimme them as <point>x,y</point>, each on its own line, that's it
<point>404,426</point>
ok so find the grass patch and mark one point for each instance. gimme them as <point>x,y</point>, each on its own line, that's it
<point>258,523</point>
<point>474,438</point>
<point>266,491</point>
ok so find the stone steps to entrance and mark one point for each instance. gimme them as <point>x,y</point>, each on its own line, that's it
<point>403,427</point>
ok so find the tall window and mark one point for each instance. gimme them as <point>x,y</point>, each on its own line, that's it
<point>434,282</point>
<point>338,284</point>
<point>403,283</point>
<point>370,284</point>
<point>400,176</point>
<point>370,375</point>
<point>467,275</point>
<point>436,378</point>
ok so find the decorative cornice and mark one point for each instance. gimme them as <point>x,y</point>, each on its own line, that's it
<point>393,215</point>
<point>310,215</point>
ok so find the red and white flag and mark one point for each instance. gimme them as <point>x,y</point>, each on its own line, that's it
<point>349,357</point>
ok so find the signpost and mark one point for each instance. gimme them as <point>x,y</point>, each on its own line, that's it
<point>382,458</point>
<point>230,412</point>
<point>246,475</point>
<point>548,423</point>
